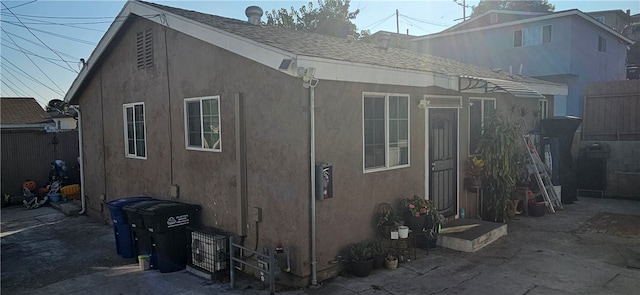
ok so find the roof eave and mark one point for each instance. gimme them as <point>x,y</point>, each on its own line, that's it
<point>264,54</point>
<point>532,19</point>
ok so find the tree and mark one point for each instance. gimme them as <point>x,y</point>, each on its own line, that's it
<point>331,17</point>
<point>531,6</point>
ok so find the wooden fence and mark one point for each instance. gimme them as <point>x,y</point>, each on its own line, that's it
<point>612,111</point>
<point>28,155</point>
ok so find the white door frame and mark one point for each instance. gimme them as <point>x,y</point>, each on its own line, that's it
<point>441,102</point>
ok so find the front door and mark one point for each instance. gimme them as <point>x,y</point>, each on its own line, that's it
<point>443,148</point>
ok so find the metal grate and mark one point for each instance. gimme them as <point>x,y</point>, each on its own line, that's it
<point>209,252</point>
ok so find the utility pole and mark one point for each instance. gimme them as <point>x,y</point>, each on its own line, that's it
<point>397,22</point>
<point>464,8</point>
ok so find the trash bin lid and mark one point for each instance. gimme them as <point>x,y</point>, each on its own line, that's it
<point>132,211</point>
<point>119,203</point>
<point>118,216</point>
<point>133,207</point>
<point>167,216</point>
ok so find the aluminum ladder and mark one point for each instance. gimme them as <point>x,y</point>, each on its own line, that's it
<point>542,177</point>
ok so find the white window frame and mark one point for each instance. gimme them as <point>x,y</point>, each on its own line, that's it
<point>482,118</point>
<point>135,138</point>
<point>534,36</point>
<point>543,108</point>
<point>602,44</point>
<point>387,165</point>
<point>204,146</point>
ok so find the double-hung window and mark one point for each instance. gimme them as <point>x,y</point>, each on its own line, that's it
<point>602,44</point>
<point>480,109</point>
<point>385,131</point>
<point>532,36</point>
<point>135,130</point>
<point>202,123</point>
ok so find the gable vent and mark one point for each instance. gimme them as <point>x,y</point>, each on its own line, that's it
<point>144,48</point>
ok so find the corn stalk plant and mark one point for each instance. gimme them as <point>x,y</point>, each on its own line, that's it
<point>499,147</point>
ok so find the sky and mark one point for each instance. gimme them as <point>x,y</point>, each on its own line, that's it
<point>43,41</point>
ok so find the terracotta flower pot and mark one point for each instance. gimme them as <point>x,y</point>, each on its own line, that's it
<point>391,264</point>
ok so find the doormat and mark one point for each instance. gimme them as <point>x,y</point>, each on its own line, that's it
<point>613,224</point>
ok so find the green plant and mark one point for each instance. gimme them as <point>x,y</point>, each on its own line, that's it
<point>387,218</point>
<point>378,248</point>
<point>474,167</point>
<point>361,251</point>
<point>499,147</point>
<point>391,256</point>
<point>417,206</point>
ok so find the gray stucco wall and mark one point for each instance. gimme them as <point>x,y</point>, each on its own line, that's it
<point>277,124</point>
<point>622,172</point>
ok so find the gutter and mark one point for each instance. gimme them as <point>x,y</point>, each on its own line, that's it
<point>81,160</point>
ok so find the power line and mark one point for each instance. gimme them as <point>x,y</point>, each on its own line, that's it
<point>53,34</point>
<point>22,72</point>
<point>70,25</point>
<point>42,46</point>
<point>36,65</point>
<point>39,39</point>
<point>11,88</point>
<point>377,23</point>
<point>67,17</point>
<point>51,60</point>
<point>25,84</point>
<point>414,25</point>
<point>23,4</point>
<point>424,21</point>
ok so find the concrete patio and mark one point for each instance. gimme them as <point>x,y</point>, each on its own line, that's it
<point>585,249</point>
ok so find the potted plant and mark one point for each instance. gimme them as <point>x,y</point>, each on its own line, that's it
<point>379,252</point>
<point>361,255</point>
<point>417,211</point>
<point>473,170</point>
<point>391,261</point>
<point>387,220</point>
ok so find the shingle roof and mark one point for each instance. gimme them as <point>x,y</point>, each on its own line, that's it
<point>322,46</point>
<point>22,110</point>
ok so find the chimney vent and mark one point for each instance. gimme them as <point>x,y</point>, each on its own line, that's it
<point>383,40</point>
<point>254,13</point>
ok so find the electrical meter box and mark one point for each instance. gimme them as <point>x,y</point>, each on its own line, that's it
<point>324,181</point>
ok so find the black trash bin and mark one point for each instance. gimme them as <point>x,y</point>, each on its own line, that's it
<point>564,128</point>
<point>139,234</point>
<point>167,224</point>
<point>121,227</point>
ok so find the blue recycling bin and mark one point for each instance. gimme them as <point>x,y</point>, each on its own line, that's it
<point>121,227</point>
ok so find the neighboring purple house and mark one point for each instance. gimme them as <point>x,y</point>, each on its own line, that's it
<point>568,47</point>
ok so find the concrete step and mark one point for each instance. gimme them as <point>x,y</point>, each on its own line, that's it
<point>68,208</point>
<point>470,235</point>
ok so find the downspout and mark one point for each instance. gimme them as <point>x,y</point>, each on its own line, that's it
<point>81,161</point>
<point>312,118</point>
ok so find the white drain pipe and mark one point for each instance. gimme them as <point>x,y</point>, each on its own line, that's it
<point>81,161</point>
<point>314,266</point>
